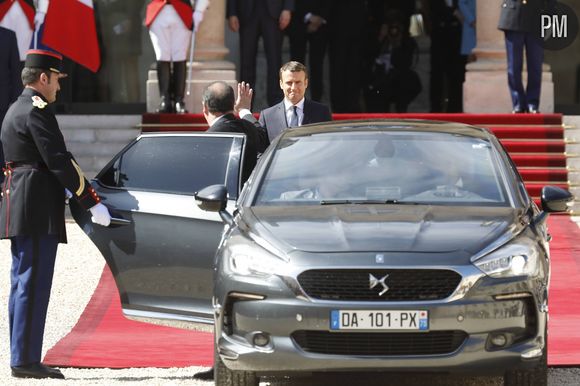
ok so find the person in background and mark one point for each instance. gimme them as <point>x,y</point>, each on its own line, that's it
<point>10,84</point>
<point>40,175</point>
<point>347,23</point>
<point>391,78</point>
<point>467,14</point>
<point>447,64</point>
<point>309,28</point>
<point>294,110</point>
<point>519,20</point>
<point>170,23</point>
<point>265,18</point>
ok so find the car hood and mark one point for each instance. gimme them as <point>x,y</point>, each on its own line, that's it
<point>392,228</point>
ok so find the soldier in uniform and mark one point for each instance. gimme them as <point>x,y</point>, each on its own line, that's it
<point>520,21</point>
<point>170,23</point>
<point>39,175</point>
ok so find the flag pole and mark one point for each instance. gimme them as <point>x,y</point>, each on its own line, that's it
<point>191,49</point>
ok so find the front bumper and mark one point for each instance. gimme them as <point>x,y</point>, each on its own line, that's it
<point>280,314</point>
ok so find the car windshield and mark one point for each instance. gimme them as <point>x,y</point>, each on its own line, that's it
<point>394,167</point>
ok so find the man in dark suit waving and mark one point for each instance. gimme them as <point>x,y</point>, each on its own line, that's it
<point>218,109</point>
<point>294,110</point>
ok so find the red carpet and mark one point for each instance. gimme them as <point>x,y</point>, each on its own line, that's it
<point>103,337</point>
<point>564,331</point>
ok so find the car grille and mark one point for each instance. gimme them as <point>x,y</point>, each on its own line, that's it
<point>403,284</point>
<point>379,344</point>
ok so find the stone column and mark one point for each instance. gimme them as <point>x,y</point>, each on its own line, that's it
<point>208,61</point>
<point>486,88</point>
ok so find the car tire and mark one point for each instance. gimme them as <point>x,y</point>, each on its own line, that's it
<point>226,377</point>
<point>537,376</point>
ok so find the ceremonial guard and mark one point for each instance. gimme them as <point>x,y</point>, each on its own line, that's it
<point>39,175</point>
<point>170,24</point>
<point>520,21</point>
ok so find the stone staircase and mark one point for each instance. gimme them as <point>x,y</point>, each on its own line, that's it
<point>95,139</point>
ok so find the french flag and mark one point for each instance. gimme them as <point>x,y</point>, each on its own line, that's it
<point>69,28</point>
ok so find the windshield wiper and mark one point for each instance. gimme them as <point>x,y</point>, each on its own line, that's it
<point>368,202</point>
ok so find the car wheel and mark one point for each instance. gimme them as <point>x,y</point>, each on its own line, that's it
<point>537,376</point>
<point>226,377</point>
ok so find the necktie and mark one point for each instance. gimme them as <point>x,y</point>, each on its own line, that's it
<point>294,118</point>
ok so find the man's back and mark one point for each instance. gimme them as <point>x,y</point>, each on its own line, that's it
<point>256,140</point>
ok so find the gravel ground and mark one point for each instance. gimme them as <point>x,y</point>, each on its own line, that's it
<point>78,268</point>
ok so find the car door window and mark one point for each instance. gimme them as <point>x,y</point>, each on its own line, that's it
<point>176,164</point>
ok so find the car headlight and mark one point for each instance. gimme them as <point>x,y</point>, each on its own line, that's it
<point>518,258</point>
<point>245,257</point>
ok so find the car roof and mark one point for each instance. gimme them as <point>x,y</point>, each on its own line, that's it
<point>389,125</point>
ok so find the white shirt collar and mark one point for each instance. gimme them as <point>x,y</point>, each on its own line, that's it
<point>288,104</point>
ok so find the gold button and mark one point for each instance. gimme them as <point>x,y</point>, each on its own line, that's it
<point>7,191</point>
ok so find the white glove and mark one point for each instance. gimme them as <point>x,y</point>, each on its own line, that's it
<point>101,215</point>
<point>67,195</point>
<point>197,19</point>
<point>39,19</point>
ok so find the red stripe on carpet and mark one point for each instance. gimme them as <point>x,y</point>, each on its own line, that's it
<point>564,331</point>
<point>544,175</point>
<point>103,337</point>
<point>532,132</point>
<point>534,146</point>
<point>551,160</point>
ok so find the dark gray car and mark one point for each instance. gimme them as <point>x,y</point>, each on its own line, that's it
<point>354,246</point>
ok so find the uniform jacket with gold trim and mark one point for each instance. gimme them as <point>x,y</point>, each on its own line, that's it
<point>183,7</point>
<point>26,5</point>
<point>39,168</point>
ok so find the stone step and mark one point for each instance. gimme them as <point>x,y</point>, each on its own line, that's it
<point>95,139</point>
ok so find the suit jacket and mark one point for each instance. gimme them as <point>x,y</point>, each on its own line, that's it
<point>273,119</point>
<point>244,9</point>
<point>39,169</point>
<point>517,16</point>
<point>256,140</point>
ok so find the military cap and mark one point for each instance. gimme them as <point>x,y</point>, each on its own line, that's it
<point>46,60</point>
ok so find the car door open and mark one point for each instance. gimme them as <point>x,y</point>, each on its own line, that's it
<point>161,246</point>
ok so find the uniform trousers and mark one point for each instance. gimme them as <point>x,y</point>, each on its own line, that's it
<point>33,259</point>
<point>515,42</point>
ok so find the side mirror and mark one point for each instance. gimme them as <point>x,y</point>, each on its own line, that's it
<point>214,198</point>
<point>556,199</point>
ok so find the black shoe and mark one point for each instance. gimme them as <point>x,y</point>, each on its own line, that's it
<point>36,370</point>
<point>204,375</point>
<point>519,111</point>
<point>533,110</point>
<point>179,107</point>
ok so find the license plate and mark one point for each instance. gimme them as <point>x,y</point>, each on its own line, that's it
<point>379,320</point>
